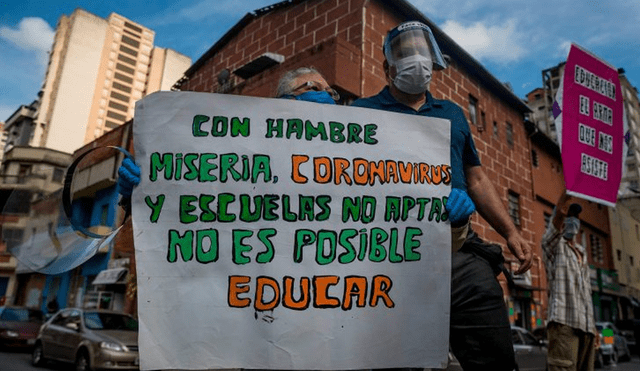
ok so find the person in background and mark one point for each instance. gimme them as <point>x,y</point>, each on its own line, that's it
<point>480,333</point>
<point>571,332</point>
<point>304,84</point>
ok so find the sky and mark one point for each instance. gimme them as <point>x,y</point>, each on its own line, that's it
<point>515,40</point>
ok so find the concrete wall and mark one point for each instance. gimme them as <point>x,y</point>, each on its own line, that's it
<point>73,98</point>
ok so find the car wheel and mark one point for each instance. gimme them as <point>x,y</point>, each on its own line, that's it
<point>37,359</point>
<point>82,362</point>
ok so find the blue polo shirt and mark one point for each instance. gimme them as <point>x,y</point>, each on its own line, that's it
<point>463,149</point>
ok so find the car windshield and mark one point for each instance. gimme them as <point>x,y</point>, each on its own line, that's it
<point>109,321</point>
<point>21,315</point>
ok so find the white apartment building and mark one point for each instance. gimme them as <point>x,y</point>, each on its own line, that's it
<point>98,68</point>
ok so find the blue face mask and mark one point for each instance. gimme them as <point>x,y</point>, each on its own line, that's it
<point>313,96</point>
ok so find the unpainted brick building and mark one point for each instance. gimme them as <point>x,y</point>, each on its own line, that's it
<point>343,40</point>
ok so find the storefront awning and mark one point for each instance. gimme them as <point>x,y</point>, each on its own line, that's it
<point>110,276</point>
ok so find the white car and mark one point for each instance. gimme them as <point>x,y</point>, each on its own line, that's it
<point>613,346</point>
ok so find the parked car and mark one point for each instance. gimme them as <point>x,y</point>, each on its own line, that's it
<point>19,326</point>
<point>629,328</point>
<point>531,353</point>
<point>89,338</point>
<point>613,346</point>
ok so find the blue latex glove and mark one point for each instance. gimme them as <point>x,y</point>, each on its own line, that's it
<point>129,177</point>
<point>459,206</point>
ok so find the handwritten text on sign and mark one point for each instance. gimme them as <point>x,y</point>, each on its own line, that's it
<point>297,230</point>
<point>591,128</point>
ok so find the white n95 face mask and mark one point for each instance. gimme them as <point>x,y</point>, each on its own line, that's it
<point>413,74</point>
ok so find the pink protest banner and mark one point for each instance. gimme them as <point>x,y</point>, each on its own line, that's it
<point>592,124</point>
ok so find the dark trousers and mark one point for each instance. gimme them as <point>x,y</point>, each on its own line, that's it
<point>480,332</point>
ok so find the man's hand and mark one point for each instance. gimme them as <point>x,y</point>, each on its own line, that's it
<point>459,206</point>
<point>129,177</point>
<point>489,205</point>
<point>521,249</point>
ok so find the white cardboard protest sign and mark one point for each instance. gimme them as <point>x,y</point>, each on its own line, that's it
<point>279,234</point>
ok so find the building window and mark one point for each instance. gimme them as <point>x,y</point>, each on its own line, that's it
<point>129,41</point>
<point>631,260</point>
<point>483,121</point>
<point>126,59</point>
<point>132,26</point>
<point>119,96</point>
<point>124,78</point>
<point>637,232</point>
<point>116,116</point>
<point>58,175</point>
<point>514,207</point>
<point>129,51</point>
<point>534,158</point>
<point>473,110</point>
<point>509,134</point>
<point>123,68</point>
<point>118,106</point>
<point>119,86</point>
<point>619,254</point>
<point>547,219</point>
<point>12,236</point>
<point>111,125</point>
<point>496,134</point>
<point>597,251</point>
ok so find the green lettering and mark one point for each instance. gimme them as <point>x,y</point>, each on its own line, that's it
<point>186,207</point>
<point>202,256</point>
<point>198,120</point>
<point>156,207</point>
<point>378,252</point>
<point>184,242</point>
<point>325,236</point>
<point>267,255</point>
<point>410,244</point>
<point>239,248</point>
<point>156,163</point>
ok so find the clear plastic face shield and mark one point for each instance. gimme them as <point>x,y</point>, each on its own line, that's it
<point>411,39</point>
<point>54,223</point>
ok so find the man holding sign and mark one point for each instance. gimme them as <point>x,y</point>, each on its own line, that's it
<point>480,332</point>
<point>571,324</point>
<point>344,246</point>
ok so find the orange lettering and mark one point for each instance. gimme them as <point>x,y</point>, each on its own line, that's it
<point>354,286</point>
<point>405,172</point>
<point>260,304</point>
<point>360,171</point>
<point>296,160</point>
<point>320,287</point>
<point>287,297</point>
<point>341,164</point>
<point>380,288</point>
<point>318,164</point>
<point>424,173</point>
<point>238,285</point>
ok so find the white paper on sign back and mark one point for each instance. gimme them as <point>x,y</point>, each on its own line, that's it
<point>278,234</point>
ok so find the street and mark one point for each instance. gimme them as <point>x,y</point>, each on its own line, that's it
<point>20,360</point>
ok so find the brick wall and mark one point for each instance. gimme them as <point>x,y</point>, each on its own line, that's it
<point>293,32</point>
<point>316,32</point>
